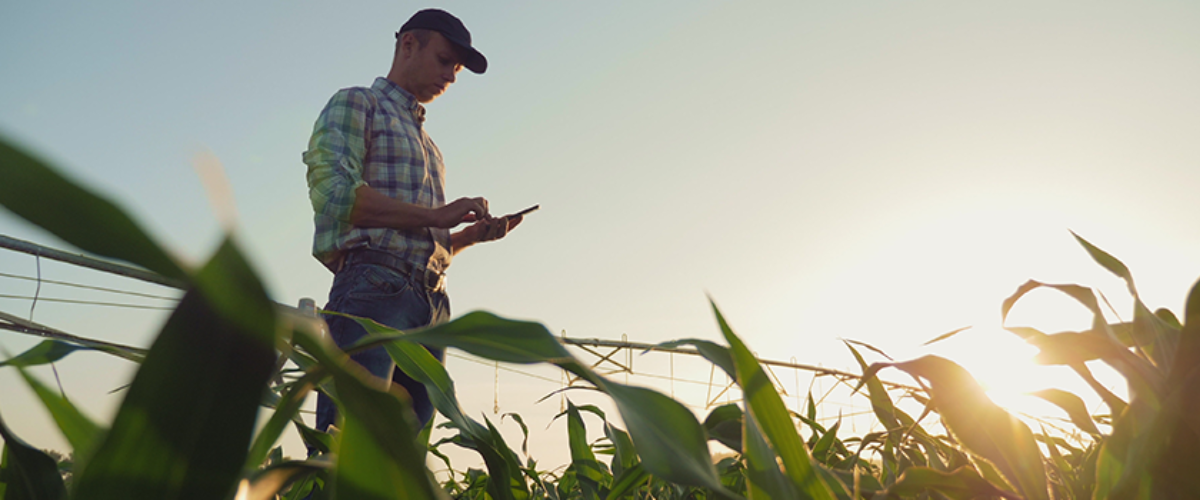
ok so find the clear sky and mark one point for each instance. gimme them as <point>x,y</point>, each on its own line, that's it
<point>880,171</point>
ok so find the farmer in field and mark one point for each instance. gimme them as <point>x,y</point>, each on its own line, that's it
<point>377,186</point>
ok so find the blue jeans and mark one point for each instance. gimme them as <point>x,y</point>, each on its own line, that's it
<point>393,299</point>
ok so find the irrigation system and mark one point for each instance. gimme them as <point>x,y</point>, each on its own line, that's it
<point>608,357</point>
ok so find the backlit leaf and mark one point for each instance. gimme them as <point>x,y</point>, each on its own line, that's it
<point>765,407</point>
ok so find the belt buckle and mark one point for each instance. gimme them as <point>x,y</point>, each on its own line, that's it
<point>434,280</point>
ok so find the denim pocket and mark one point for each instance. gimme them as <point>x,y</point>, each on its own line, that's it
<point>372,281</point>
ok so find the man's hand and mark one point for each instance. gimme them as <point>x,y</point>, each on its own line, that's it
<point>460,211</point>
<point>494,229</point>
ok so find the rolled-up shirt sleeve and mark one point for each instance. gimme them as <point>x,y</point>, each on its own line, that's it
<point>335,166</point>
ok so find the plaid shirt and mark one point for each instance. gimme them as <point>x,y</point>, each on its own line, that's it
<point>373,136</point>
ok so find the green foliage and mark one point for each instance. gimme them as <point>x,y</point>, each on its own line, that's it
<point>186,426</point>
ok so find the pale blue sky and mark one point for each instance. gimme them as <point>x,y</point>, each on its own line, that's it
<point>882,171</point>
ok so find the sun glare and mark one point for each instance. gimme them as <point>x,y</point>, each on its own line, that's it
<point>1004,365</point>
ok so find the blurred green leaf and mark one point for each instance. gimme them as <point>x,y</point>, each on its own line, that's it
<point>26,472</point>
<point>273,480</point>
<point>764,406</point>
<point>724,424</point>
<point>319,441</point>
<point>714,353</point>
<point>38,194</point>
<point>184,427</point>
<point>47,351</point>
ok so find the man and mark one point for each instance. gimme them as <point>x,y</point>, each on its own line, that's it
<point>376,181</point>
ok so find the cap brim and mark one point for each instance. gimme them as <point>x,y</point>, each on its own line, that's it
<point>475,60</point>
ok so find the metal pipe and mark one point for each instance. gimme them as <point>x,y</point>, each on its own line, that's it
<point>88,262</point>
<point>682,350</point>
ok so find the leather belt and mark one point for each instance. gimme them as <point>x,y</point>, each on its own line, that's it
<point>432,281</point>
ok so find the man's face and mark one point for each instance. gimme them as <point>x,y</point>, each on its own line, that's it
<point>433,68</point>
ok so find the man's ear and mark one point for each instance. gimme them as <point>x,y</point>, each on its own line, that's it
<point>406,45</point>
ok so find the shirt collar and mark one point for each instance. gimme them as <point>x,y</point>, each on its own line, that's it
<point>402,97</point>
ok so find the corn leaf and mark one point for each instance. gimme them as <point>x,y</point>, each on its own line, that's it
<point>962,484</point>
<point>286,410</point>
<point>881,402</point>
<point>47,351</point>
<point>506,481</point>
<point>766,408</point>
<point>27,473</point>
<point>35,192</point>
<point>670,441</point>
<point>378,455</point>
<point>979,425</point>
<point>1073,405</point>
<point>185,424</point>
<point>583,461</point>
<point>269,482</point>
<point>81,432</point>
<point>627,481</point>
<point>724,424</point>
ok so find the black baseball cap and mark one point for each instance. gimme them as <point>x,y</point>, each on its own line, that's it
<point>450,27</point>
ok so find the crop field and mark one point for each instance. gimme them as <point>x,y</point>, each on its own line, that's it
<point>186,427</point>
